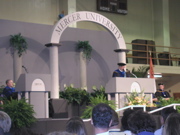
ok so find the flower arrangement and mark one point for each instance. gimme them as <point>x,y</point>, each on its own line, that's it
<point>135,98</point>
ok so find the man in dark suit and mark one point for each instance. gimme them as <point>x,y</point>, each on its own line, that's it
<point>120,72</point>
<point>9,90</point>
<point>161,92</point>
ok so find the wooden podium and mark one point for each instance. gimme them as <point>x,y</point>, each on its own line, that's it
<point>118,87</point>
<point>35,88</point>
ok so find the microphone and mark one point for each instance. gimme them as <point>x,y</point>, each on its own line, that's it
<point>131,73</point>
<point>25,69</point>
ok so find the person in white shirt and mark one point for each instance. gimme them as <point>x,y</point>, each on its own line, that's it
<point>164,114</point>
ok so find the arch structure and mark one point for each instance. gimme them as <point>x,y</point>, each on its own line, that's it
<point>63,23</point>
<point>59,28</point>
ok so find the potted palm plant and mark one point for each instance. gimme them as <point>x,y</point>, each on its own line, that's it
<point>141,72</point>
<point>86,48</point>
<point>18,46</point>
<point>18,43</point>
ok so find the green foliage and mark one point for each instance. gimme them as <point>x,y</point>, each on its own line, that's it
<point>86,48</point>
<point>18,43</point>
<point>95,101</point>
<point>142,71</point>
<point>98,92</point>
<point>163,102</point>
<point>1,88</point>
<point>1,91</point>
<point>20,112</point>
<point>75,95</point>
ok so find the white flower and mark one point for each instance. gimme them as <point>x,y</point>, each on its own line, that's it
<point>72,85</point>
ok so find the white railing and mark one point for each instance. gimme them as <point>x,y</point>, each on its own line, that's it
<point>144,109</point>
<point>132,106</point>
<point>159,109</point>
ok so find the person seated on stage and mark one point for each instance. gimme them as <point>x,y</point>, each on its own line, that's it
<point>120,72</point>
<point>141,123</point>
<point>5,123</point>
<point>164,114</point>
<point>101,118</point>
<point>172,125</point>
<point>76,126</point>
<point>162,93</point>
<point>154,98</point>
<point>9,90</point>
<point>124,121</point>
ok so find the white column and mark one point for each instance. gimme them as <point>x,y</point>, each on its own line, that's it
<point>83,70</point>
<point>166,30</point>
<point>71,9</point>
<point>54,69</point>
<point>117,100</point>
<point>122,57</point>
<point>17,66</point>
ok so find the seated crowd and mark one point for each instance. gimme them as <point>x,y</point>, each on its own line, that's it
<point>105,121</point>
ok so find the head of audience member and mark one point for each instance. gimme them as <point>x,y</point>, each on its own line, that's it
<point>172,124</point>
<point>166,112</point>
<point>140,121</point>
<point>121,66</point>
<point>124,119</point>
<point>60,133</point>
<point>76,126</point>
<point>161,86</point>
<point>9,83</point>
<point>5,122</point>
<point>115,120</point>
<point>101,118</point>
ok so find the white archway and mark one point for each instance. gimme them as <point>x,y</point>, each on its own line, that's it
<point>63,23</point>
<point>59,28</point>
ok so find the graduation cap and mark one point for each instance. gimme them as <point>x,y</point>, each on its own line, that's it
<point>121,64</point>
<point>160,84</point>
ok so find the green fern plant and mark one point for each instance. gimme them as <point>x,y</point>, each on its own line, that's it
<point>86,48</point>
<point>75,95</point>
<point>95,101</point>
<point>18,43</point>
<point>162,102</point>
<point>142,71</point>
<point>20,112</point>
<point>98,92</point>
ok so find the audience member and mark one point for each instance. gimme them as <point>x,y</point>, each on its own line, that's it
<point>101,118</point>
<point>172,124</point>
<point>124,121</point>
<point>164,113</point>
<point>76,125</point>
<point>5,123</point>
<point>115,122</point>
<point>9,90</point>
<point>60,133</point>
<point>161,92</point>
<point>141,123</point>
<point>114,127</point>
